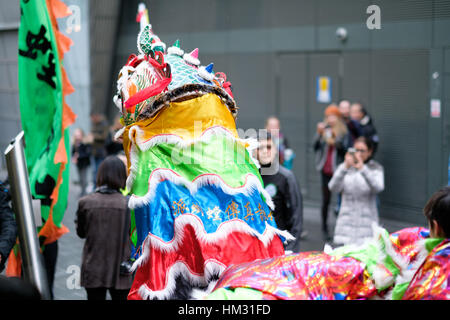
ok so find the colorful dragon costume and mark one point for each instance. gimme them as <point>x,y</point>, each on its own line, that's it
<point>407,264</point>
<point>197,195</point>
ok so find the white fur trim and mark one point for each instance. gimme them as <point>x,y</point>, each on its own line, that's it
<point>125,72</point>
<point>384,246</point>
<point>133,167</point>
<point>158,44</point>
<point>381,279</point>
<point>389,249</point>
<point>118,102</point>
<point>190,59</point>
<point>327,248</point>
<point>407,270</point>
<point>119,133</point>
<point>205,74</point>
<point>160,174</point>
<point>222,232</point>
<point>205,179</point>
<point>211,268</point>
<point>198,294</point>
<point>379,275</point>
<point>206,136</point>
<point>175,51</point>
<point>253,144</point>
<point>171,138</point>
<point>407,274</point>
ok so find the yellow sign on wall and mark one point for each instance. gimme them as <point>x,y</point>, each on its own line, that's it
<point>323,89</point>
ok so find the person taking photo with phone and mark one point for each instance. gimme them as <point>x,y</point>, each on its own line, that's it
<point>359,178</point>
<point>330,144</point>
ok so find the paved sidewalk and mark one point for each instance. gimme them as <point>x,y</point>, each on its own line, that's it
<point>70,248</point>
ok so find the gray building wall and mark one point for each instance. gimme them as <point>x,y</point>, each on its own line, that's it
<point>76,64</point>
<point>104,17</point>
<point>77,61</point>
<point>9,96</point>
<point>273,52</point>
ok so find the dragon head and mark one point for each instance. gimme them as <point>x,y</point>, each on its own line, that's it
<point>156,77</point>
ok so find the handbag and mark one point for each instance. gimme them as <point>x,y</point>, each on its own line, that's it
<point>126,268</point>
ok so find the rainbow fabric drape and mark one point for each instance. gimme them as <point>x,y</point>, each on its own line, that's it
<point>407,264</point>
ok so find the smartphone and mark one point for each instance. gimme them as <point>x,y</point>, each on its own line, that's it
<point>352,151</point>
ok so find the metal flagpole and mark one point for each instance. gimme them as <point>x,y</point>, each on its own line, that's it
<point>33,267</point>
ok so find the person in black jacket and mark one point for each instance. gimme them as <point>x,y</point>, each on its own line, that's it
<point>366,125</point>
<point>102,218</point>
<point>353,126</point>
<point>8,226</point>
<point>282,186</point>
<point>11,288</point>
<point>81,156</point>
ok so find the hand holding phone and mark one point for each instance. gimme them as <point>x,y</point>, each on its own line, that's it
<point>350,158</point>
<point>320,127</point>
<point>352,152</point>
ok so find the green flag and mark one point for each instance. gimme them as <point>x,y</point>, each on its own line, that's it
<point>45,116</point>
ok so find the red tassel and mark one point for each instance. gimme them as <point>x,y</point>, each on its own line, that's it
<point>227,87</point>
<point>146,93</point>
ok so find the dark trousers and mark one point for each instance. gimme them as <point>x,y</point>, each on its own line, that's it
<point>50,254</point>
<point>100,293</point>
<point>83,174</point>
<point>326,198</point>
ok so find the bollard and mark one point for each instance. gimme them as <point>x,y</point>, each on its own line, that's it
<point>33,268</point>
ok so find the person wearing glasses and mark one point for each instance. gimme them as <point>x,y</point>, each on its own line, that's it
<point>359,178</point>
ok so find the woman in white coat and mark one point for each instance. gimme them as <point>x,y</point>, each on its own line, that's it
<point>359,178</point>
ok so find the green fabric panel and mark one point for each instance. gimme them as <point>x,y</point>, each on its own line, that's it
<point>431,243</point>
<point>370,255</point>
<point>399,290</point>
<point>221,155</point>
<point>41,102</point>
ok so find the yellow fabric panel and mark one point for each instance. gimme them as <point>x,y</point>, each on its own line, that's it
<point>187,119</point>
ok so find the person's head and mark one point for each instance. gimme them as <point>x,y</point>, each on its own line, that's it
<point>273,125</point>
<point>96,117</point>
<point>357,111</point>
<point>267,150</point>
<point>112,173</point>
<point>332,115</point>
<point>344,108</point>
<point>364,146</point>
<point>437,212</point>
<point>78,135</point>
